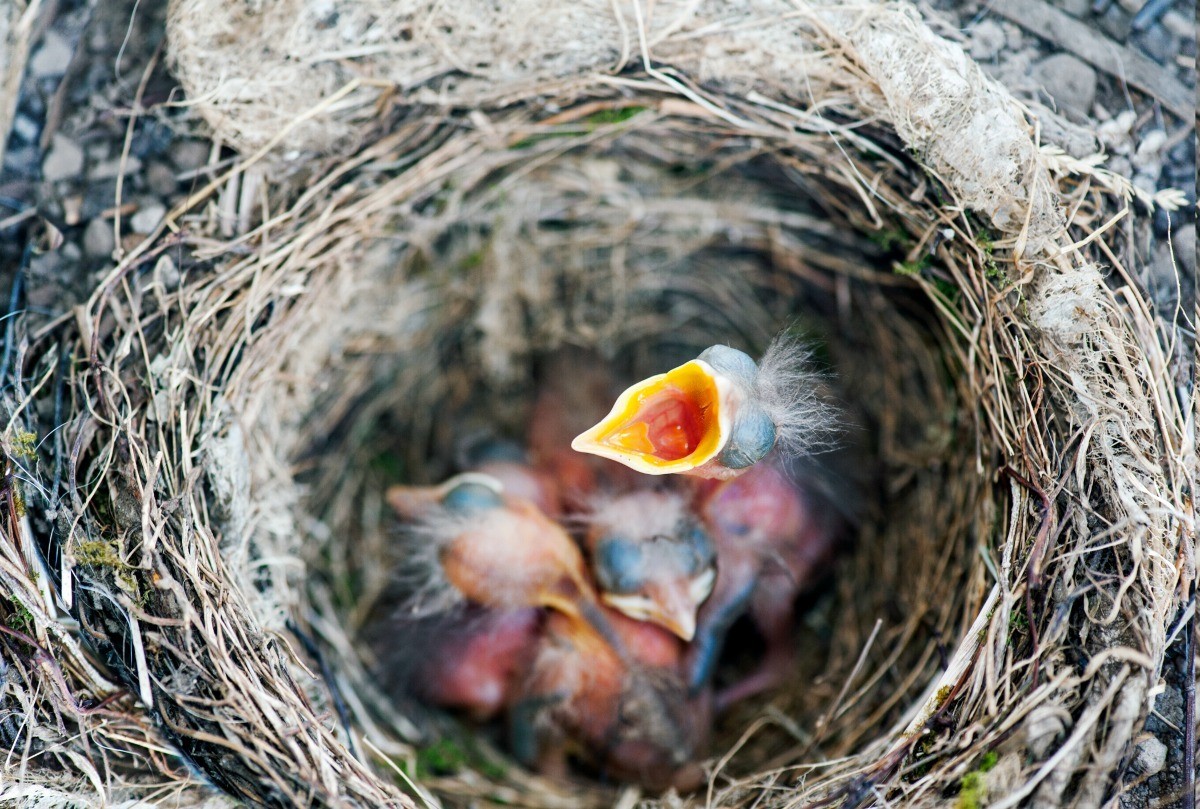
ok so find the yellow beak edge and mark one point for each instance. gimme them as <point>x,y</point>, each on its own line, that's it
<point>672,423</point>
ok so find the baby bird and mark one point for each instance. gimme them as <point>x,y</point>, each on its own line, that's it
<point>775,531</point>
<point>483,568</point>
<point>473,541</point>
<point>715,416</point>
<point>627,711</point>
<point>652,558</point>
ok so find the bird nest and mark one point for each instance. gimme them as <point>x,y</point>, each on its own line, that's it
<point>194,528</point>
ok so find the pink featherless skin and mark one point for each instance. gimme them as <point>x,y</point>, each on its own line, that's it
<point>775,534</point>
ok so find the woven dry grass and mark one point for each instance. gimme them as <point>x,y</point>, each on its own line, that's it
<point>199,453</point>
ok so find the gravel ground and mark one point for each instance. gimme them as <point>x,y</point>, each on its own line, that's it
<point>75,163</point>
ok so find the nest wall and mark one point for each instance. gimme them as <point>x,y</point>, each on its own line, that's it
<point>213,498</point>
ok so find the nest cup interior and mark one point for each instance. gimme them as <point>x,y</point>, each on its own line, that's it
<point>645,256</point>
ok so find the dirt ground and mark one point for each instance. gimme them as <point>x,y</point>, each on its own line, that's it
<point>101,147</point>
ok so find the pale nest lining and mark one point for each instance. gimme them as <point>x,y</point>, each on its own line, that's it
<point>215,482</point>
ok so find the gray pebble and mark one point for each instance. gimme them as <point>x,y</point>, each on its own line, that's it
<point>160,179</point>
<point>52,57</point>
<point>1157,43</point>
<point>98,197</point>
<point>1069,81</point>
<point>1179,25</point>
<point>25,128</point>
<point>1076,8</point>
<point>987,39</point>
<point>22,162</point>
<point>190,155</point>
<point>114,167</point>
<point>1116,22</point>
<point>1146,181</point>
<point>99,150</point>
<point>1184,241</point>
<point>1013,36</point>
<point>71,252</point>
<point>147,217</point>
<point>98,239</point>
<point>1151,756</point>
<point>63,160</point>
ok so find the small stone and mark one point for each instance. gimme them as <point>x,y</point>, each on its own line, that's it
<point>160,179</point>
<point>1183,240</point>
<point>26,128</point>
<point>22,162</point>
<point>1151,756</point>
<point>71,252</point>
<point>1157,43</point>
<point>114,167</point>
<point>98,239</point>
<point>52,57</point>
<point>1076,8</point>
<point>130,241</point>
<point>72,210</point>
<point>98,150</point>
<point>1069,81</point>
<point>1116,22</point>
<point>99,197</point>
<point>190,155</point>
<point>987,40</point>
<point>63,160</point>
<point>151,138</point>
<point>1146,181</point>
<point>1179,25</point>
<point>147,217</point>
<point>1013,36</point>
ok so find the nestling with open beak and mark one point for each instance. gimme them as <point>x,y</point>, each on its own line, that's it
<point>775,530</point>
<point>627,711</point>
<point>716,416</point>
<point>482,569</point>
<point>652,558</point>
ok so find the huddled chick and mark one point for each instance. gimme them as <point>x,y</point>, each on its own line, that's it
<point>603,645</point>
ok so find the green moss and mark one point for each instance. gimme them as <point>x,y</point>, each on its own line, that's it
<point>443,757</point>
<point>450,756</point>
<point>586,125</point>
<point>912,267</point>
<point>613,115</point>
<point>890,238</point>
<point>972,790</point>
<point>1018,625</point>
<point>97,553</point>
<point>24,444</point>
<point>471,260</point>
<point>19,617</point>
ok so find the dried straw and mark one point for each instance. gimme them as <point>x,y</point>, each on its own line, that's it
<point>198,454</point>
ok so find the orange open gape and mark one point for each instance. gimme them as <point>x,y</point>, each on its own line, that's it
<point>669,423</point>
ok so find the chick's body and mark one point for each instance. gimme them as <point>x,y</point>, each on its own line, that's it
<point>483,569</point>
<point>622,704</point>
<point>774,536</point>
